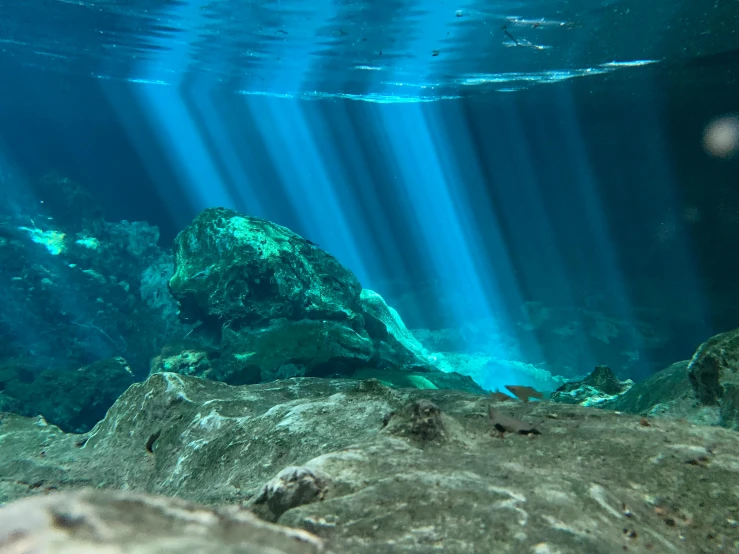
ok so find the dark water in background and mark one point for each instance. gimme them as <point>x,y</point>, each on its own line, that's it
<point>636,83</point>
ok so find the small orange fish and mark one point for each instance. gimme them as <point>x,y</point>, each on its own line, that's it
<point>501,397</point>
<point>524,393</point>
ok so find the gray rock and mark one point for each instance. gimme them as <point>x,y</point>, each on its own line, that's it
<point>373,469</point>
<point>117,522</point>
<point>667,386</point>
<point>667,393</point>
<point>598,388</point>
<point>292,487</point>
<point>714,375</point>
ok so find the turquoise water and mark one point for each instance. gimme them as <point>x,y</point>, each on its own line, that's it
<point>542,187</point>
<point>373,50</point>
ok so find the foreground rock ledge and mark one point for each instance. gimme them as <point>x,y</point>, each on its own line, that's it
<point>371,469</point>
<point>113,522</point>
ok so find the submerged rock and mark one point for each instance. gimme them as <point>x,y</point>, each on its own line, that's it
<point>703,390</point>
<point>714,375</point>
<point>490,372</point>
<point>280,306</point>
<point>186,358</point>
<point>245,270</point>
<point>117,522</point>
<point>291,488</point>
<point>667,393</point>
<point>599,387</point>
<point>371,469</point>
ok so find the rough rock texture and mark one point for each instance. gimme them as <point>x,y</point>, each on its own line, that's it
<point>186,358</point>
<point>72,400</point>
<point>245,269</point>
<point>714,375</point>
<point>667,393</point>
<point>373,469</point>
<point>599,387</point>
<point>118,522</point>
<point>603,379</point>
<point>281,306</point>
<point>704,390</point>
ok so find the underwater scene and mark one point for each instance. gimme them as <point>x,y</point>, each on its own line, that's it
<point>369,276</point>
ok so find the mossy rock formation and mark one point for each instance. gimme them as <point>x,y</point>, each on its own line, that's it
<point>280,306</point>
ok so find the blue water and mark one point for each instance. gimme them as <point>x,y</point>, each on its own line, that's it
<point>531,173</point>
<point>384,51</point>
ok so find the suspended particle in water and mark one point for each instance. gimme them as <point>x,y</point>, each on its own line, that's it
<point>721,137</point>
<point>666,232</point>
<point>692,214</point>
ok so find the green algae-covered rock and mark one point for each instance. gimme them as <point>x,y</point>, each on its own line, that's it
<point>714,364</point>
<point>293,349</point>
<point>280,306</point>
<point>236,267</point>
<point>666,386</point>
<point>600,387</point>
<point>714,375</point>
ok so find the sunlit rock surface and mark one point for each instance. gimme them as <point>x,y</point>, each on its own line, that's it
<point>394,343</point>
<point>598,388</point>
<point>93,521</point>
<point>372,469</point>
<point>280,306</point>
<point>704,390</point>
<point>248,270</point>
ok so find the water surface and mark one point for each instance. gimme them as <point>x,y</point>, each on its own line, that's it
<point>380,50</point>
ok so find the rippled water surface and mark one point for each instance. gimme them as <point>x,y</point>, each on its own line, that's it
<point>370,49</point>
